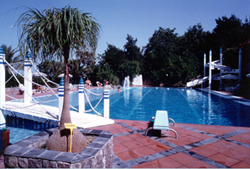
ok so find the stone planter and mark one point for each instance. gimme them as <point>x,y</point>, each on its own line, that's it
<point>28,153</point>
<point>5,139</point>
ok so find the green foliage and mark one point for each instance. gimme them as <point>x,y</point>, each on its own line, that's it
<point>116,64</point>
<point>132,51</point>
<point>53,32</point>
<point>129,68</point>
<point>228,31</point>
<point>52,69</point>
<point>194,45</point>
<point>77,70</point>
<point>105,72</point>
<point>161,58</point>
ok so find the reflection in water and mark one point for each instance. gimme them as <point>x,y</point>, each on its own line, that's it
<point>126,83</point>
<point>137,94</point>
<point>210,113</point>
<point>126,96</point>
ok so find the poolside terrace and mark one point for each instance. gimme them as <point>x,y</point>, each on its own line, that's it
<point>198,146</point>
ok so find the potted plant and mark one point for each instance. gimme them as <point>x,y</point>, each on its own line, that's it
<point>5,139</point>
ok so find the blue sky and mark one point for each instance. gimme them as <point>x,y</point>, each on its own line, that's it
<point>139,18</point>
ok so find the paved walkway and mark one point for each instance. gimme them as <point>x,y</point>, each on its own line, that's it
<point>198,146</point>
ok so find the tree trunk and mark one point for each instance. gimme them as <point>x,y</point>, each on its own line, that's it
<point>60,139</point>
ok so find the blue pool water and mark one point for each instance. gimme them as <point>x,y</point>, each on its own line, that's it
<point>23,128</point>
<point>183,105</point>
<point>140,103</point>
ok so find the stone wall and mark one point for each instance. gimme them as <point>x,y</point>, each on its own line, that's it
<point>27,153</point>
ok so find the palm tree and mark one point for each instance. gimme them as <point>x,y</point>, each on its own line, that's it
<point>53,34</point>
<point>14,60</point>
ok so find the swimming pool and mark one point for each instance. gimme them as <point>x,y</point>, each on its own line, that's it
<point>183,105</point>
<point>140,103</point>
<point>23,128</point>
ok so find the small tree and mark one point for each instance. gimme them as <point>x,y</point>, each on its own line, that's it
<point>54,33</point>
<point>10,58</point>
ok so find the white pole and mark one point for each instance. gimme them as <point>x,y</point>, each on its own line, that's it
<point>61,96</point>
<point>240,60</point>
<point>204,68</point>
<point>28,79</point>
<point>106,103</point>
<point>210,69</point>
<point>81,101</point>
<point>2,87</point>
<point>221,60</point>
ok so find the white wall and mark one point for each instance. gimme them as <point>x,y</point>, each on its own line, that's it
<point>137,80</point>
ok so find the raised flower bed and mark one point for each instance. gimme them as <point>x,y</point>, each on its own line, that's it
<point>29,153</point>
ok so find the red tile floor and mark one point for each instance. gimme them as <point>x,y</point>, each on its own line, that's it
<point>198,146</point>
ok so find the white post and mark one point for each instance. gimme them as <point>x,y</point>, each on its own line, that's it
<point>204,68</point>
<point>81,101</point>
<point>106,103</point>
<point>28,79</point>
<point>240,60</point>
<point>61,96</point>
<point>2,87</point>
<point>221,60</point>
<point>210,69</point>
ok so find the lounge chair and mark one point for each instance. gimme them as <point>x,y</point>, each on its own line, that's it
<point>161,122</point>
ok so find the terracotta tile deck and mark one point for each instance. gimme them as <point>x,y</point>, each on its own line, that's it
<point>198,146</point>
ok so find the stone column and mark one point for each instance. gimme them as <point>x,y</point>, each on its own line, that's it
<point>28,79</point>
<point>2,86</point>
<point>81,99</point>
<point>61,96</point>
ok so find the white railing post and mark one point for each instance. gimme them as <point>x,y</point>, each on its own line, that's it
<point>28,79</point>
<point>2,87</point>
<point>210,69</point>
<point>61,96</point>
<point>106,103</point>
<point>81,101</point>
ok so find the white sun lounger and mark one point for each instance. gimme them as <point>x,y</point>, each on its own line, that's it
<point>161,122</point>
